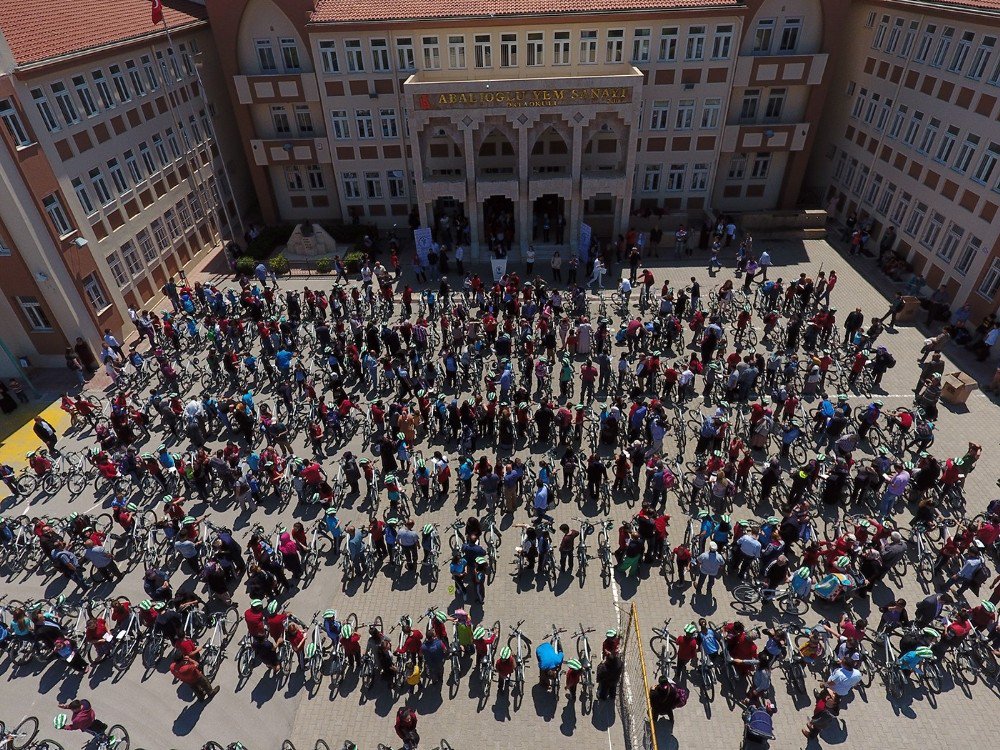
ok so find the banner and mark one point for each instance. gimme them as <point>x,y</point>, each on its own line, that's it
<point>423,238</point>
<point>499,268</point>
<point>583,250</point>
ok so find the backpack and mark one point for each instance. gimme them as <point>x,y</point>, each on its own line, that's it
<point>682,695</point>
<point>890,361</point>
<point>980,575</point>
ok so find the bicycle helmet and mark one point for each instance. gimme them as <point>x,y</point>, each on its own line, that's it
<point>479,633</point>
<point>931,632</point>
<point>482,561</point>
<point>346,632</point>
<point>574,664</point>
<point>843,562</point>
<point>331,511</point>
<point>187,520</point>
<point>803,572</point>
<point>611,633</point>
<point>256,603</point>
<point>989,606</point>
<point>691,628</point>
<point>924,652</point>
<point>505,652</point>
<point>329,614</point>
<point>441,616</point>
<point>145,605</point>
<point>59,722</point>
<point>428,528</point>
<point>310,650</point>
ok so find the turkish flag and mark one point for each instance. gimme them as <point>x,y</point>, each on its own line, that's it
<point>157,11</point>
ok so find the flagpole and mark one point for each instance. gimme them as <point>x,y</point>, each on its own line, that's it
<point>212,133</point>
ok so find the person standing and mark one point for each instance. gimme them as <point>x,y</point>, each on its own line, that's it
<point>896,485</point>
<point>187,670</point>
<point>710,565</point>
<point>529,260</point>
<point>556,265</point>
<point>843,679</point>
<point>608,675</point>
<point>47,434</point>
<point>104,564</point>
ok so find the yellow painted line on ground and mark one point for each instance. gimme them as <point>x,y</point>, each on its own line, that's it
<point>23,439</point>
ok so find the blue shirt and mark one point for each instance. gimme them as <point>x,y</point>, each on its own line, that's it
<point>710,642</point>
<point>283,359</point>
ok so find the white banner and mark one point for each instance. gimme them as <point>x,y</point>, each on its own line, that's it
<point>499,268</point>
<point>584,247</point>
<point>423,238</point>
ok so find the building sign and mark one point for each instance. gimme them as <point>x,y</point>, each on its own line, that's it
<point>526,98</point>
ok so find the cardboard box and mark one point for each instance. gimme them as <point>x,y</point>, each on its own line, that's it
<point>911,306</point>
<point>956,387</point>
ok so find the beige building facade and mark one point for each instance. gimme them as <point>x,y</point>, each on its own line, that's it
<point>114,163</point>
<point>911,139</point>
<point>605,116</point>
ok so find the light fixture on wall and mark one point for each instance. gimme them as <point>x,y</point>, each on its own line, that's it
<point>41,276</point>
<point>80,242</point>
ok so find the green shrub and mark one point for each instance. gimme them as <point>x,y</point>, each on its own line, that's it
<point>353,260</point>
<point>269,238</point>
<point>278,264</point>
<point>323,265</point>
<point>246,265</point>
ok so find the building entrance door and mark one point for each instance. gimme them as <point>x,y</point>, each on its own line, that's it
<point>499,228</point>
<point>450,221</point>
<point>548,220</point>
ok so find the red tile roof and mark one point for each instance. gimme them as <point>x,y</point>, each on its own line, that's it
<point>38,30</point>
<point>379,10</point>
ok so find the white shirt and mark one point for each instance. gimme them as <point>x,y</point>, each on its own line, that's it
<point>765,259</point>
<point>626,286</point>
<point>992,336</point>
<point>842,680</point>
<point>531,255</point>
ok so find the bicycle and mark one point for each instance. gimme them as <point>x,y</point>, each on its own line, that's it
<point>487,665</point>
<point>223,626</point>
<point>585,658</point>
<point>785,596</point>
<point>664,647</point>
<point>367,670</point>
<point>20,737</point>
<point>315,653</point>
<point>556,642</point>
<point>520,651</point>
<point>604,551</point>
<point>582,556</point>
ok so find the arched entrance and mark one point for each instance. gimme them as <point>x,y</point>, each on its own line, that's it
<point>499,226</point>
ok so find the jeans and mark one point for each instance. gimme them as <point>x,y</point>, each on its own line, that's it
<point>704,578</point>
<point>888,501</point>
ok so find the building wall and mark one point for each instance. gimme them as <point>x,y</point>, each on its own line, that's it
<point>895,101</point>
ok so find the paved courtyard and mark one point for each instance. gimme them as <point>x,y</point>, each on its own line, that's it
<point>262,713</point>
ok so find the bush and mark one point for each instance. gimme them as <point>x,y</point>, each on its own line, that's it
<point>323,265</point>
<point>269,238</point>
<point>278,264</point>
<point>245,265</point>
<point>353,260</point>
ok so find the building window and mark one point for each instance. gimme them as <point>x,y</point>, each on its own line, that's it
<point>685,114</point>
<point>885,200</point>
<point>859,103</point>
<point>775,104</point>
<point>911,34</point>
<point>456,52</point>
<point>397,184</point>
<point>279,118</point>
<point>852,169</point>
<point>484,51</point>
<point>355,58</point>
<point>404,54</point>
<point>146,246</point>
<point>293,179</point>
<point>675,177</point>
<point>751,100</point>
<point>987,164</point>
<point>965,154</point>
<point>186,59</point>
<point>161,151</point>
<point>352,189</point>
<point>290,55</point>
<point>57,214</point>
<point>432,53</point>
<point>926,40</point>
<point>173,228</point>
<point>265,56</point>
<point>316,181</point>
<point>328,56</point>
<point>95,292</point>
<point>916,219</point>
<point>932,232</point>
<point>103,89</point>
<point>950,243</point>
<point>33,311</point>
<point>615,46</point>
<point>699,177</point>
<point>147,158</point>
<point>661,113</point>
<point>175,148</point>
<point>894,34</point>
<point>121,85</point>
<point>710,113</point>
<point>651,178</point>
<point>132,262</point>
<point>100,186</point>
<point>838,170</point>
<point>880,32</point>
<point>982,58</point>
<point>962,52</point>
<point>365,122</point>
<point>160,234</point>
<point>117,270</point>
<point>118,176</point>
<point>968,256</point>
<point>588,47</point>
<point>761,166</point>
<point>173,64</point>
<point>45,110</point>
<point>536,48</point>
<point>668,43</point>
<point>640,45</point>
<point>339,123</point>
<point>373,184</point>
<point>387,117</point>
<point>134,77</point>
<point>870,21</point>
<point>83,94</point>
<point>763,35</point>
<point>83,196</point>
<point>737,166</point>
<point>508,50</point>
<point>944,43</point>
<point>695,43</point>
<point>380,55</point>
<point>132,165</point>
<point>991,281</point>
<point>862,179</point>
<point>872,108</point>
<point>789,41</point>
<point>883,115</point>
<point>947,145</point>
<point>873,189</point>
<point>897,122</point>
<point>929,136</point>
<point>560,48</point>
<point>722,42</point>
<point>149,72</point>
<point>12,121</point>
<point>304,120</point>
<point>196,206</point>
<point>913,128</point>
<point>902,206</point>
<point>184,214</point>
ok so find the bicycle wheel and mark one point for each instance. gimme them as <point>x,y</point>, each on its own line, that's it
<point>894,682</point>
<point>76,482</point>
<point>706,680</point>
<point>244,661</point>
<point>746,594</point>
<point>51,483</point>
<point>932,677</point>
<point>118,738</point>
<point>664,648</point>
<point>48,745</point>
<point>321,745</point>
<point>797,678</point>
<point>24,733</point>
<point>287,745</point>
<point>230,621</point>
<point>793,605</point>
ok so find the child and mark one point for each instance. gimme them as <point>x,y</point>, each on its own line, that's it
<point>682,559</point>
<point>505,667</point>
<point>574,673</point>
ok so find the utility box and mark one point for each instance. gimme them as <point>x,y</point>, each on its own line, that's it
<point>911,305</point>
<point>956,387</point>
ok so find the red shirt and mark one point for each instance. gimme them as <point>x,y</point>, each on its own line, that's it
<point>186,671</point>
<point>255,622</point>
<point>276,624</point>
<point>687,646</point>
